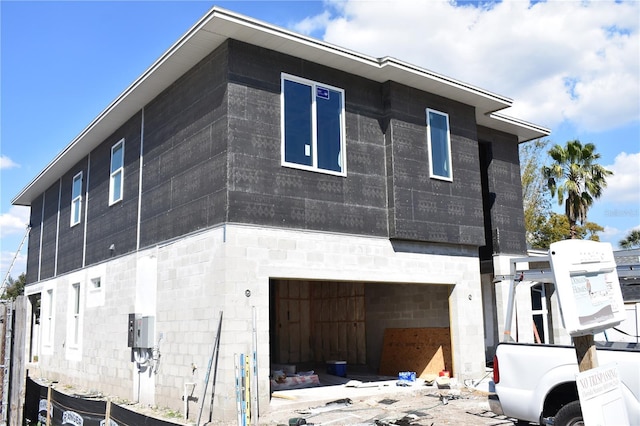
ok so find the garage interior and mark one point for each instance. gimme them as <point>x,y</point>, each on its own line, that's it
<point>378,329</point>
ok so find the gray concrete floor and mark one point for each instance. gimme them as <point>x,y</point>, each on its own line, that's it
<point>379,401</point>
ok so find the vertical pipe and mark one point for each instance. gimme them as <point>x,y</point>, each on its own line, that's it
<point>86,213</point>
<point>510,304</point>
<point>254,382</point>
<point>44,200</point>
<point>55,262</point>
<point>185,403</point>
<point>141,162</point>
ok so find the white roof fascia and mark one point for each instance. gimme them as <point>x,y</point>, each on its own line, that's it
<point>219,25</point>
<point>524,130</point>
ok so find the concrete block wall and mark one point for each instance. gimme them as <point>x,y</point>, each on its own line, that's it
<point>190,295</point>
<point>102,360</point>
<point>222,266</point>
<point>402,306</point>
<point>228,268</point>
<point>310,255</point>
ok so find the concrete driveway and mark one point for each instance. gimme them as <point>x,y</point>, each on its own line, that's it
<point>380,404</point>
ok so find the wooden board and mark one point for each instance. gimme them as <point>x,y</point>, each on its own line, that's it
<point>319,321</point>
<point>423,350</point>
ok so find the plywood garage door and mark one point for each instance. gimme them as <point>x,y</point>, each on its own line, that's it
<point>318,321</point>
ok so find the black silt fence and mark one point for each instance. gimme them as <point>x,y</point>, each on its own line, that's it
<point>71,410</point>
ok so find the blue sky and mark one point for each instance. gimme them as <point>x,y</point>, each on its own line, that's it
<point>571,66</point>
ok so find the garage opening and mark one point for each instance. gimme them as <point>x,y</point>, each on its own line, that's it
<point>375,328</point>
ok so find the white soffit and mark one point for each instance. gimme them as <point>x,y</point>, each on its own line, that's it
<point>219,25</point>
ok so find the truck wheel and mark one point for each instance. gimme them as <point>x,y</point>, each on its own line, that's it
<point>569,415</point>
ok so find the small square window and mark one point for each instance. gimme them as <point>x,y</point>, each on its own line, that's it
<point>96,284</point>
<point>116,180</point>
<point>439,145</point>
<point>313,135</point>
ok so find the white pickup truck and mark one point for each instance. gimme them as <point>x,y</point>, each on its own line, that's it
<point>537,383</point>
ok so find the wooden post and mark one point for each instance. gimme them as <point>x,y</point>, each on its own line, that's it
<point>107,413</point>
<point>586,352</point>
<point>4,358</point>
<point>49,407</point>
<point>18,362</point>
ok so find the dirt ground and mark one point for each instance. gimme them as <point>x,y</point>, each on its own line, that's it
<point>422,407</point>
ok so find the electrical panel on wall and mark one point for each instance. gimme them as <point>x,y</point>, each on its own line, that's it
<point>141,331</point>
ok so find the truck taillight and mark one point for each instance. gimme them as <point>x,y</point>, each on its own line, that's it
<point>496,370</point>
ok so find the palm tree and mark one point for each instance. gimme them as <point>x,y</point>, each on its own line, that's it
<point>632,240</point>
<point>576,179</point>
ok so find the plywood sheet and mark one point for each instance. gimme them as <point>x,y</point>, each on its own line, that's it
<point>423,350</point>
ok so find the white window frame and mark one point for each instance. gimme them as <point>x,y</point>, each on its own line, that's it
<point>96,284</point>
<point>76,201</point>
<point>543,312</point>
<point>432,174</point>
<point>49,329</point>
<point>114,173</point>
<point>314,126</point>
<point>75,315</point>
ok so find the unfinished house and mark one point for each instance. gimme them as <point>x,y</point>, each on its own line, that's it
<point>330,205</point>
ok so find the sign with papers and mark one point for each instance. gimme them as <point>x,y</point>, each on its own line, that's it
<point>601,399</point>
<point>587,284</point>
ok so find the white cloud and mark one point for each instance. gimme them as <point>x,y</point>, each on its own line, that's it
<point>19,265</point>
<point>13,226</point>
<point>560,60</point>
<point>312,24</point>
<point>623,187</point>
<point>14,222</point>
<point>7,163</point>
<point>614,235</point>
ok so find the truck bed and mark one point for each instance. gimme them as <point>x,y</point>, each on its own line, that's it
<point>535,380</point>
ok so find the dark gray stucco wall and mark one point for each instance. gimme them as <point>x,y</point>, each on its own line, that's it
<point>33,246</point>
<point>70,238</point>
<point>505,191</point>
<point>113,224</point>
<point>212,148</point>
<point>49,225</point>
<point>261,190</point>
<point>185,157</point>
<point>423,208</point>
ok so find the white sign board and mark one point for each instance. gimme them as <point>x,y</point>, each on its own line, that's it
<point>587,284</point>
<point>601,399</point>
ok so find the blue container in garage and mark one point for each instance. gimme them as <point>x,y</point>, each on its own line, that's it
<point>337,368</point>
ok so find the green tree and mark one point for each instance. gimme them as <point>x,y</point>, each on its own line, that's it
<point>556,227</point>
<point>632,240</point>
<point>576,179</point>
<point>14,288</point>
<point>535,198</point>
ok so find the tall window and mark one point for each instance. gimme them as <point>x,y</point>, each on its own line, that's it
<point>313,126</point>
<point>439,143</point>
<point>117,172</point>
<point>49,318</point>
<point>76,199</point>
<point>75,313</point>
